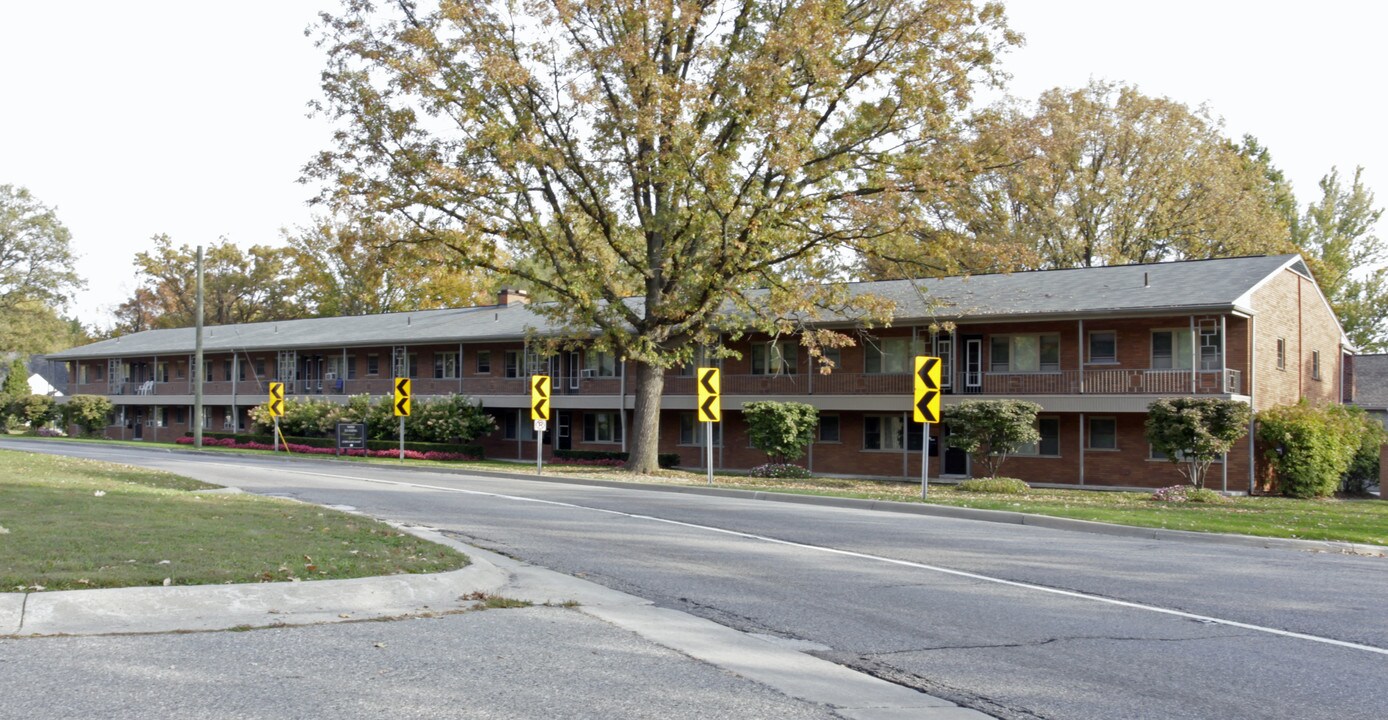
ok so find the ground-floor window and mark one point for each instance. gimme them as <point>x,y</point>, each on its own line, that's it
<point>602,427</point>
<point>517,425</point>
<point>1049,444</point>
<point>891,432</point>
<point>1103,433</point>
<point>829,429</point>
<point>692,431</point>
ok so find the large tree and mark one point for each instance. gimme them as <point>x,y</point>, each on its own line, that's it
<point>651,164</point>
<point>1101,175</point>
<point>37,276</point>
<point>1338,235</point>
<point>239,286</point>
<point>360,268</point>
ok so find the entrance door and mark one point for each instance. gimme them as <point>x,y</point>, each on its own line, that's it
<point>973,364</point>
<point>562,436</point>
<point>956,461</point>
<point>139,425</point>
<point>575,369</point>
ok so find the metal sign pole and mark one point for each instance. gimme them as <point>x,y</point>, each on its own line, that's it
<point>402,438</point>
<point>539,452</point>
<point>710,452</point>
<point>277,434</point>
<point>925,459</point>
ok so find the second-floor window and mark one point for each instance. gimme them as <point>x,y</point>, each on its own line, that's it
<point>773,359</point>
<point>513,363</point>
<point>1024,353</point>
<point>445,365</point>
<point>888,356</point>
<point>1315,364</point>
<point>600,363</point>
<point>1171,350</point>
<point>484,362</point>
<point>1103,347</point>
<point>1281,353</point>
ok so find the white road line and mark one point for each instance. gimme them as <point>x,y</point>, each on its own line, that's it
<point>878,558</point>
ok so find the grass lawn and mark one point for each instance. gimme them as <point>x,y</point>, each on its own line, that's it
<point>70,523</point>
<point>1357,520</point>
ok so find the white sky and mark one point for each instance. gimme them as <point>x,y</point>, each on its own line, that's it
<point>190,118</point>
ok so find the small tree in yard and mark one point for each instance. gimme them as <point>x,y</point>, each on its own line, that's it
<point>88,412</point>
<point>39,410</point>
<point>16,386</point>
<point>990,430</point>
<point>782,430</point>
<point>1194,432</point>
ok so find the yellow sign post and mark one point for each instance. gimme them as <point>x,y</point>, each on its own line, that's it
<point>539,412</point>
<point>710,407</point>
<point>276,407</point>
<point>927,408</point>
<point>402,408</point>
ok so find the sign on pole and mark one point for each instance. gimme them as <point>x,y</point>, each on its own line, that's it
<point>927,385</point>
<point>710,408</point>
<point>926,403</point>
<point>710,398</point>
<point>402,397</point>
<point>539,397</point>
<point>539,412</point>
<point>277,399</point>
<point>351,436</point>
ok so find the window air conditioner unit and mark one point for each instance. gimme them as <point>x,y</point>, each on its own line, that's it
<point>588,372</point>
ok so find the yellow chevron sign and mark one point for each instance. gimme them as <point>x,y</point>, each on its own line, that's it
<point>402,397</point>
<point>927,386</point>
<point>710,406</point>
<point>276,402</point>
<point>539,397</point>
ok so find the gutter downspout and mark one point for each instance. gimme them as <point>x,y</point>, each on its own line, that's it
<point>1252,403</point>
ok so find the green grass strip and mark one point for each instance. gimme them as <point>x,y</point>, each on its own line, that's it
<point>70,523</point>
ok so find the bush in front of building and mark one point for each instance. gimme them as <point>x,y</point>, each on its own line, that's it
<point>90,413</point>
<point>469,449</point>
<point>1187,493</point>
<point>780,470</point>
<point>1362,472</point>
<point>999,485</point>
<point>39,410</point>
<point>665,460</point>
<point>990,430</point>
<point>1312,449</point>
<point>782,430</point>
<point>454,419</point>
<point>1193,432</point>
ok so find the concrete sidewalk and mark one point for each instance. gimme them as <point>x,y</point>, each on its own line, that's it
<point>778,665</point>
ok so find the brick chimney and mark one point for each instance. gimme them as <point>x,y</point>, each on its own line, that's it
<point>512,296</point>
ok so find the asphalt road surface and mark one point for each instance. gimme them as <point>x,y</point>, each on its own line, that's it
<point>1015,621</point>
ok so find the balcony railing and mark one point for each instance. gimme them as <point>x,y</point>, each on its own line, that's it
<point>1067,382</point>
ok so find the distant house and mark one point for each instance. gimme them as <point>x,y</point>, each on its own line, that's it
<point>1371,385</point>
<point>46,377</point>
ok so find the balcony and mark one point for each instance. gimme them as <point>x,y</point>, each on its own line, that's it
<point>1067,382</point>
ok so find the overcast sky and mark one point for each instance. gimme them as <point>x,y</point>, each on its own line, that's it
<point>190,118</point>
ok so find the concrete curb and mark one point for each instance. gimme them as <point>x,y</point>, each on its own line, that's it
<point>222,607</point>
<point>997,516</point>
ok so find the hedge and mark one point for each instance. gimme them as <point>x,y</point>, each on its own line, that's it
<point>665,460</point>
<point>473,450</point>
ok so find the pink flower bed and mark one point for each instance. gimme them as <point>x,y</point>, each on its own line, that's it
<point>310,450</point>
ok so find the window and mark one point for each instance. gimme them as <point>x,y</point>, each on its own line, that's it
<point>178,370</point>
<point>944,349</point>
<point>351,367</point>
<point>1281,353</point>
<point>445,365</point>
<point>1025,353</point>
<point>1210,358</point>
<point>1171,350</point>
<point>373,364</point>
<point>692,432</point>
<point>484,362</point>
<point>773,359</point>
<point>1049,444</point>
<point>179,416</point>
<point>81,374</point>
<point>831,357</point>
<point>513,363</point>
<point>516,425</point>
<point>602,427</point>
<point>161,372</point>
<point>206,371</point>
<point>601,363</point>
<point>891,432</point>
<point>226,370</point>
<point>412,365</point>
<point>1103,433</point>
<point>260,367</point>
<point>889,355</point>
<point>156,417</point>
<point>1315,364</point>
<point>829,429</point>
<point>1103,347</point>
<point>240,372</point>
<point>1156,454</point>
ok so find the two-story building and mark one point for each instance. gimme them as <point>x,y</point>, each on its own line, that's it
<point>1092,346</point>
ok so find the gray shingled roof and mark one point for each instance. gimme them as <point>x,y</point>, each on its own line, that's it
<point>1176,286</point>
<point>1371,381</point>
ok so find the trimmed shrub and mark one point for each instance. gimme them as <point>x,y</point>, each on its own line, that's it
<point>469,449</point>
<point>780,470</point>
<point>782,430</point>
<point>1362,472</point>
<point>440,420</point>
<point>1194,432</point>
<point>1310,449</point>
<point>665,460</point>
<point>1001,486</point>
<point>39,410</point>
<point>990,430</point>
<point>89,413</point>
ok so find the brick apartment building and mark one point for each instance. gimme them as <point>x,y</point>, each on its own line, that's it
<point>1092,346</point>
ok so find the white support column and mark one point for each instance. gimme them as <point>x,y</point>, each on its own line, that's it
<point>1082,444</point>
<point>1194,355</point>
<point>1083,345</point>
<point>1224,357</point>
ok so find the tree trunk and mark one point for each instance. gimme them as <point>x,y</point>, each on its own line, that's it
<point>645,435</point>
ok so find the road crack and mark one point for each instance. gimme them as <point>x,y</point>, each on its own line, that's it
<point>1048,641</point>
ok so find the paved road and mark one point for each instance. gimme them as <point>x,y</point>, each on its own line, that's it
<point>1017,621</point>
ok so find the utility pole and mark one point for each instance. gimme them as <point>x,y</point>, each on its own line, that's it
<point>197,361</point>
